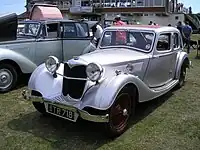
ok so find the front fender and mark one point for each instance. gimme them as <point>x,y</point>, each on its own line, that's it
<point>102,95</point>
<point>42,81</point>
<point>181,57</point>
<point>24,63</point>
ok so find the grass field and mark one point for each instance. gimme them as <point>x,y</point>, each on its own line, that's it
<point>171,122</point>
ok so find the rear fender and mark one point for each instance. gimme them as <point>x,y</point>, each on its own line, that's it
<point>182,58</point>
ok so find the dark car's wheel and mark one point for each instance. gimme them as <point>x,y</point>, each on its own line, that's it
<point>40,107</point>
<point>8,77</point>
<point>120,113</point>
<point>182,76</point>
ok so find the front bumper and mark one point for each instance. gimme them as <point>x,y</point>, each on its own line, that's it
<point>81,113</point>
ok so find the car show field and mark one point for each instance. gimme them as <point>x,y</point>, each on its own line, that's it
<point>169,122</point>
<point>135,87</point>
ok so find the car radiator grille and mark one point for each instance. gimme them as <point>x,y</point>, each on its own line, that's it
<point>74,87</point>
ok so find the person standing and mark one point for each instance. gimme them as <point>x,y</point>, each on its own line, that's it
<point>97,32</point>
<point>120,35</point>
<point>187,32</point>
<point>118,21</point>
<point>179,27</point>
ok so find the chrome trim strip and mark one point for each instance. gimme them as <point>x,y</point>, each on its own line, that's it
<point>72,77</point>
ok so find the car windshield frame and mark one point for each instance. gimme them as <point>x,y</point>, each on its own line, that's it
<point>28,34</point>
<point>142,31</point>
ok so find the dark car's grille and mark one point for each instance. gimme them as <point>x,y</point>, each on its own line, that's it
<point>74,87</point>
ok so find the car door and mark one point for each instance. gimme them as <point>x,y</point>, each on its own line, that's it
<point>75,40</point>
<point>159,71</point>
<point>49,43</point>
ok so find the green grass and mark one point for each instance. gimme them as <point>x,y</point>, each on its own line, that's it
<point>171,122</point>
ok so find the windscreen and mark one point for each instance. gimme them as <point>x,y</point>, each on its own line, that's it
<point>140,40</point>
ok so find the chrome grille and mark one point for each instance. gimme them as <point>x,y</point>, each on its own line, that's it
<point>74,87</point>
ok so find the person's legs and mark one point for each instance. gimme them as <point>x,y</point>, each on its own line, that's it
<point>184,42</point>
<point>188,46</point>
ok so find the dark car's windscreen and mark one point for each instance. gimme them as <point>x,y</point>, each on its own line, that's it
<point>28,29</point>
<point>134,39</point>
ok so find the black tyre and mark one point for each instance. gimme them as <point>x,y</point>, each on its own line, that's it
<point>182,76</point>
<point>8,77</point>
<point>120,113</point>
<point>40,107</point>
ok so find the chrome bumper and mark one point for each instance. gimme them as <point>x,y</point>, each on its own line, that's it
<point>83,114</point>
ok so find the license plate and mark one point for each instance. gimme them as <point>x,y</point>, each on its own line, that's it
<point>61,112</point>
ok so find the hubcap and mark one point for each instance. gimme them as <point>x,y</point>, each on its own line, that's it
<point>125,112</point>
<point>6,78</point>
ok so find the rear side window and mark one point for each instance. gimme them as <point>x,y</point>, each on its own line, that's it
<point>164,42</point>
<point>69,30</point>
<point>75,30</point>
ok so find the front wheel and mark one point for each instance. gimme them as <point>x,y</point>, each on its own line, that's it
<point>120,114</point>
<point>8,77</point>
<point>40,107</point>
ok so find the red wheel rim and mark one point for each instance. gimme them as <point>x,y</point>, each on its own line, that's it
<point>120,112</point>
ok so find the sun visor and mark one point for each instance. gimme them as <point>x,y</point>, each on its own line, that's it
<point>45,12</point>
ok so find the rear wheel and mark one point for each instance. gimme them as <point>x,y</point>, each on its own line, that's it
<point>120,113</point>
<point>182,76</point>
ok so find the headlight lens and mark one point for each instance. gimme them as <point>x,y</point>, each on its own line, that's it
<point>52,64</point>
<point>94,71</point>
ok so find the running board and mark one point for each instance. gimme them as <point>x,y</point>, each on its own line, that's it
<point>168,86</point>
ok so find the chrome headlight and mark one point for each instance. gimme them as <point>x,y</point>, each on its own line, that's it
<point>94,71</point>
<point>52,64</point>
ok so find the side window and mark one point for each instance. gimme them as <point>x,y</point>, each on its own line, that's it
<point>52,30</point>
<point>43,31</point>
<point>75,30</point>
<point>69,30</point>
<point>164,42</point>
<point>82,30</point>
<point>176,40</point>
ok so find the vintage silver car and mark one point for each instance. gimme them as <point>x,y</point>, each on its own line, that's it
<point>131,64</point>
<point>35,41</point>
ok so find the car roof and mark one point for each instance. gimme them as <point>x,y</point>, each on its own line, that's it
<point>155,28</point>
<point>48,21</point>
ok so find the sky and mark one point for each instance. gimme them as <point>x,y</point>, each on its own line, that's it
<point>17,6</point>
<point>193,3</point>
<point>12,6</point>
